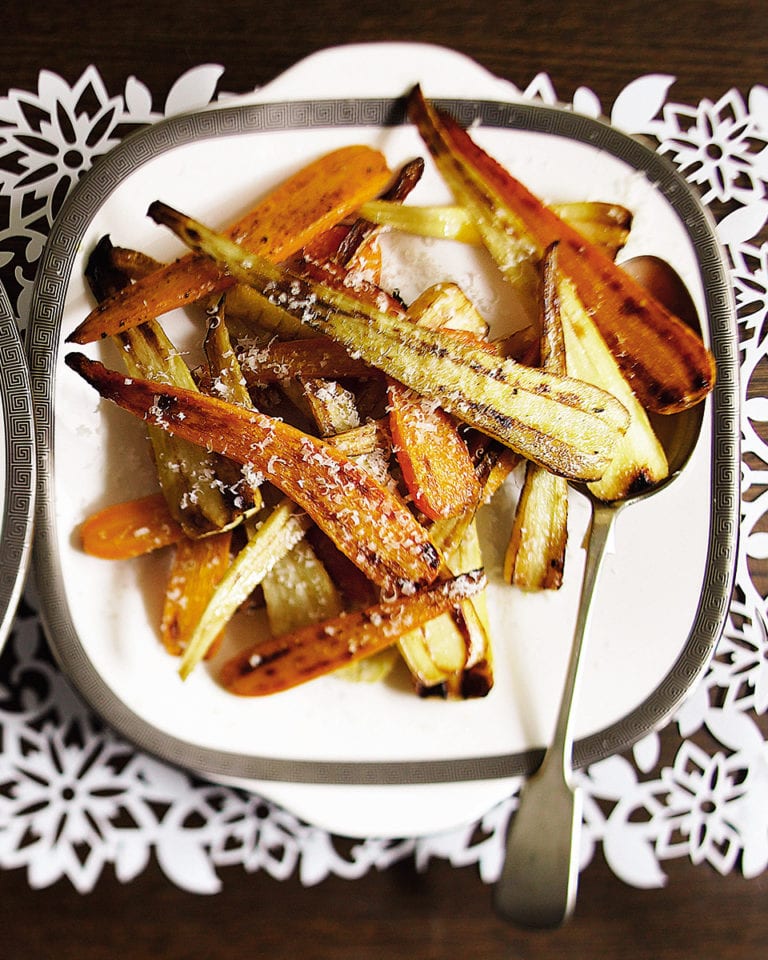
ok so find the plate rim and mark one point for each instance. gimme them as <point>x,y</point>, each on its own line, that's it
<point>44,340</point>
<point>16,532</point>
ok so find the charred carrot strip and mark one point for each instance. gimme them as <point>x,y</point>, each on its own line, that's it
<point>294,658</point>
<point>198,566</point>
<point>666,362</point>
<point>364,519</point>
<point>434,460</point>
<point>303,206</point>
<point>130,529</point>
<point>308,359</point>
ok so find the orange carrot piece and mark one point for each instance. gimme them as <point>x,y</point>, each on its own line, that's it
<point>434,460</point>
<point>129,529</point>
<point>198,566</point>
<point>300,208</point>
<point>280,663</point>
<point>363,518</point>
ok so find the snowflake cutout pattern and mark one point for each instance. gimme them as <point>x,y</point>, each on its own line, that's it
<point>49,138</point>
<point>717,147</point>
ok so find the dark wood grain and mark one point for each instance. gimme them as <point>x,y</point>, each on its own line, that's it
<point>442,912</point>
<point>708,48</point>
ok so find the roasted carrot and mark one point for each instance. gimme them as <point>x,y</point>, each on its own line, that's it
<point>433,458</point>
<point>301,207</point>
<point>198,566</point>
<point>130,529</point>
<point>665,361</point>
<point>436,466</point>
<point>294,658</point>
<point>567,425</point>
<point>306,359</point>
<point>364,519</point>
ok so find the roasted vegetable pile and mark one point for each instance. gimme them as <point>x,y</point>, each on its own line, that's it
<point>328,457</point>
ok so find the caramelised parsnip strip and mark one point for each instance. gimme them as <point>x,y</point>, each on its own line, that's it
<point>130,529</point>
<point>226,381</point>
<point>567,425</point>
<point>639,460</point>
<point>605,224</point>
<point>363,518</point>
<point>476,680</point>
<point>226,376</point>
<point>196,570</point>
<point>269,541</point>
<point>312,651</point>
<point>452,654</point>
<point>302,206</point>
<point>665,361</point>
<point>535,555</point>
<point>370,437</point>
<point>248,312</point>
<point>297,591</point>
<point>332,406</point>
<point>446,306</point>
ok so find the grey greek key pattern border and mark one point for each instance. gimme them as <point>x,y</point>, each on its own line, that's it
<point>44,338</point>
<point>20,462</point>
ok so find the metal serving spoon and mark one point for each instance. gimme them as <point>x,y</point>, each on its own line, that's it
<point>537,886</point>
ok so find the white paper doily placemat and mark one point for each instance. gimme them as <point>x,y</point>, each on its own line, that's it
<point>75,800</point>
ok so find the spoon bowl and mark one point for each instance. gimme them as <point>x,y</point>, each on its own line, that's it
<point>538,883</point>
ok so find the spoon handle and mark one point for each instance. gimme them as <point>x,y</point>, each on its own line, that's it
<point>561,745</point>
<point>537,886</point>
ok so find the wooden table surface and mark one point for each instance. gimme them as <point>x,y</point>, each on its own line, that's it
<point>443,912</point>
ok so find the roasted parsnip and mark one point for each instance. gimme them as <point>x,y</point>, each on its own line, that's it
<point>535,556</point>
<point>665,361</point>
<point>567,425</point>
<point>604,224</point>
<point>639,461</point>
<point>283,662</point>
<point>362,517</point>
